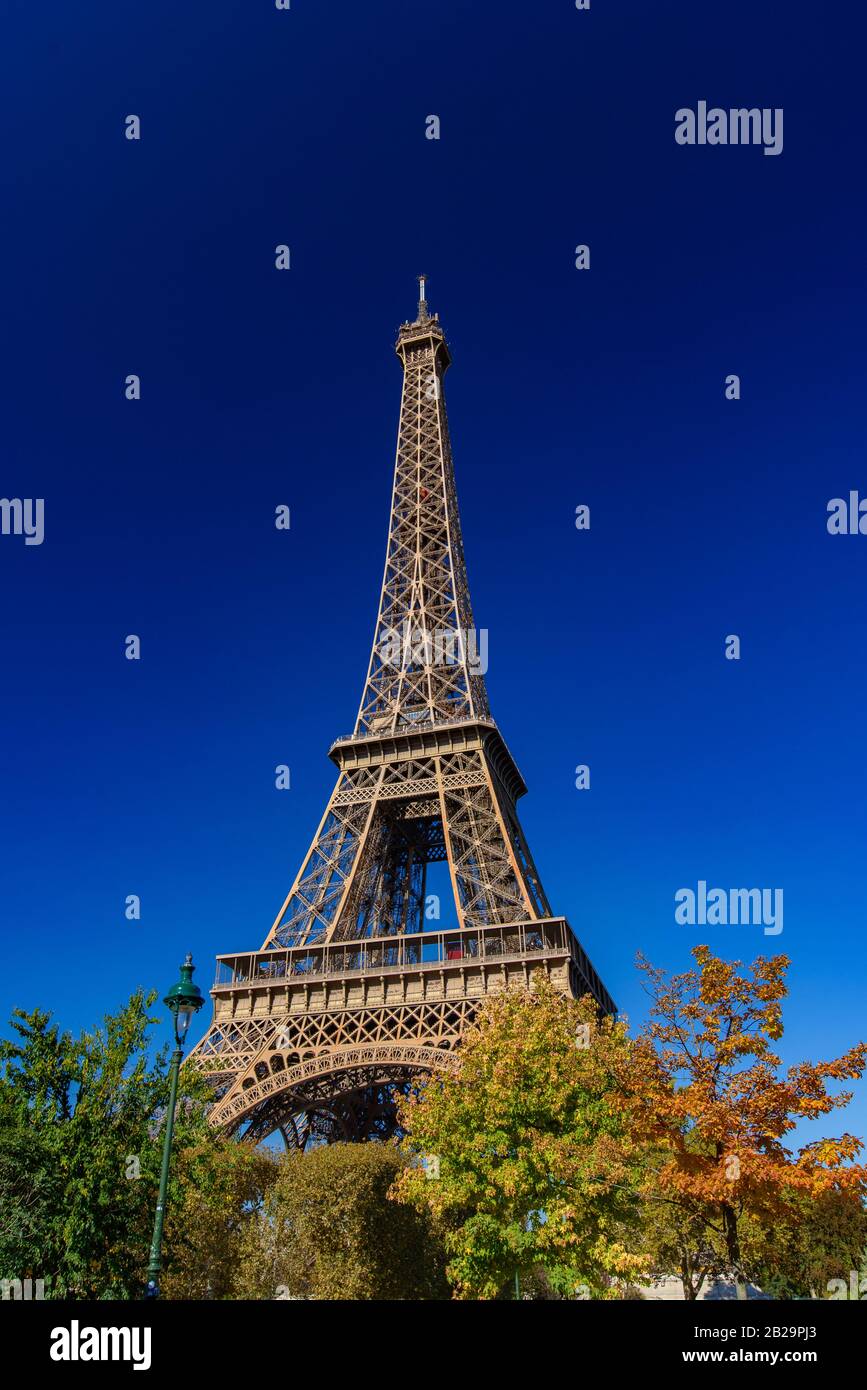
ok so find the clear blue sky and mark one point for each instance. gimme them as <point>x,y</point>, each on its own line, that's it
<point>259,388</point>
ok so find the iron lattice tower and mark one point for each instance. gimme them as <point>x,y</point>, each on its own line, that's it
<point>351,997</point>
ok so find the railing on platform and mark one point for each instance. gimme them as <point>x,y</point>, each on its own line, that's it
<point>551,936</point>
<point>396,952</point>
<point>415,727</point>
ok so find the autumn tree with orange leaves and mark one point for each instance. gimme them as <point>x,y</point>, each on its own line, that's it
<point>705,1091</point>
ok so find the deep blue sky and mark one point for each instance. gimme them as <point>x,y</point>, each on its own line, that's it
<point>260,388</point>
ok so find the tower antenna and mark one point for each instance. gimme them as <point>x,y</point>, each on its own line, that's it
<point>422,302</point>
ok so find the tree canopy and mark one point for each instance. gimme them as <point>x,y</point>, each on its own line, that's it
<point>328,1230</point>
<point>520,1155</point>
<point>560,1158</point>
<point>81,1131</point>
<point>705,1093</point>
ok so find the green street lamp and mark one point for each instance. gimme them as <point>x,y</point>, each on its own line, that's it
<point>183,1000</point>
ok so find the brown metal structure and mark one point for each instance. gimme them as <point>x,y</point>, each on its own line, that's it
<point>353,994</point>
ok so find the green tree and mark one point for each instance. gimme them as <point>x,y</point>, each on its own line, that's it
<point>328,1230</point>
<point>81,1126</point>
<point>222,1184</point>
<point>534,1163</point>
<point>813,1241</point>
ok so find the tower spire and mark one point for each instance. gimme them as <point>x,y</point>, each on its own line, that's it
<point>422,302</point>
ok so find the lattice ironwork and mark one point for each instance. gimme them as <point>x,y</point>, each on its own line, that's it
<point>306,1040</point>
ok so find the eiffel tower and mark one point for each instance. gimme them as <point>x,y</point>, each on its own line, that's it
<point>359,990</point>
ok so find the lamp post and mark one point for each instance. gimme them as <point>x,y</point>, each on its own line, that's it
<point>183,1000</point>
